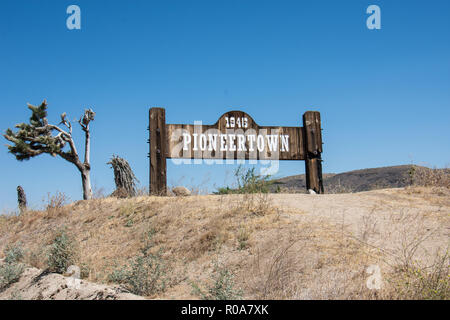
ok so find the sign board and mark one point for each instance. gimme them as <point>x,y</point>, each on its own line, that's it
<point>234,136</point>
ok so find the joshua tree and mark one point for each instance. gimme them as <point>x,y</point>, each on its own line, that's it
<point>37,137</point>
<point>21,199</point>
<point>123,177</point>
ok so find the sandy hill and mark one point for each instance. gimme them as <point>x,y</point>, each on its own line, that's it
<point>276,246</point>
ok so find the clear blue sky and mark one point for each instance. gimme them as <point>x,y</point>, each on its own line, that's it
<point>384,95</point>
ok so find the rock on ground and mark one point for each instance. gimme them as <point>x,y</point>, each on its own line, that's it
<point>181,191</point>
<point>35,284</point>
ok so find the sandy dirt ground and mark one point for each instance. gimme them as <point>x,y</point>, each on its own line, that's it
<point>382,218</point>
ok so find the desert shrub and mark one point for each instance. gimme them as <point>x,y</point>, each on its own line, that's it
<point>98,192</point>
<point>56,201</point>
<point>427,177</point>
<point>10,273</point>
<point>146,273</point>
<point>422,283</point>
<point>36,258</point>
<point>276,273</point>
<point>85,270</point>
<point>411,174</point>
<point>16,296</point>
<point>62,252</point>
<point>336,188</point>
<point>242,237</point>
<point>224,190</point>
<point>414,273</point>
<point>13,254</point>
<point>11,269</point>
<point>142,191</point>
<point>247,182</point>
<point>118,275</point>
<point>258,204</point>
<point>212,239</point>
<point>222,286</point>
<point>128,209</point>
<point>129,223</point>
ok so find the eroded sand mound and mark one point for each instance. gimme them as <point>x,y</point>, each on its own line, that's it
<point>35,284</point>
<point>275,246</point>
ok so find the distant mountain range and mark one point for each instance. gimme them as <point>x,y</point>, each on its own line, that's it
<point>351,181</point>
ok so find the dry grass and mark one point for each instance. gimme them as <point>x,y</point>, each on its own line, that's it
<point>337,188</point>
<point>427,177</point>
<point>411,251</point>
<point>255,203</point>
<point>310,262</point>
<point>56,201</point>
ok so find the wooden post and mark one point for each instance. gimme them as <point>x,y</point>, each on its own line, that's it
<point>158,151</point>
<point>313,150</point>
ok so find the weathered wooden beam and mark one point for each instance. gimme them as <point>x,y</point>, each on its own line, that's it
<point>313,150</point>
<point>296,148</point>
<point>158,151</point>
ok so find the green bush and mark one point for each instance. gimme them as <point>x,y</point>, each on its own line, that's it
<point>247,182</point>
<point>16,296</point>
<point>146,273</point>
<point>221,288</point>
<point>429,283</point>
<point>11,269</point>
<point>62,252</point>
<point>13,254</point>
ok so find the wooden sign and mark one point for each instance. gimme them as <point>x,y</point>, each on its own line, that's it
<point>234,136</point>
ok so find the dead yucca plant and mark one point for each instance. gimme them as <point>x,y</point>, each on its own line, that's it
<point>124,178</point>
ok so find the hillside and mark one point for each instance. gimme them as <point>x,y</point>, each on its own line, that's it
<point>276,246</point>
<point>353,181</point>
